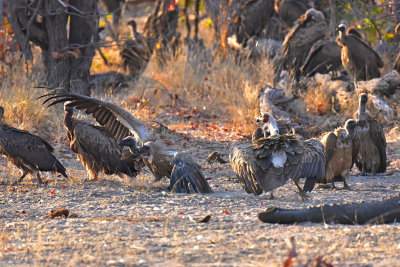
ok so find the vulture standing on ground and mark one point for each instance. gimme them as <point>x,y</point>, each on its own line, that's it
<point>120,124</point>
<point>97,149</point>
<point>290,10</point>
<point>341,149</point>
<point>136,52</point>
<point>162,161</point>
<point>27,151</point>
<point>323,57</point>
<point>269,162</point>
<point>372,154</point>
<point>358,58</point>
<point>309,28</point>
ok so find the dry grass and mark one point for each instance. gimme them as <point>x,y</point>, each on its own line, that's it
<point>18,96</point>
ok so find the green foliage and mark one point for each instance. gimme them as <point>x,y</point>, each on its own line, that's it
<point>372,20</point>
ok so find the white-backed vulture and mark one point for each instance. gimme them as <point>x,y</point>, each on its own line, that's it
<point>323,57</point>
<point>97,149</point>
<point>309,28</point>
<point>358,58</point>
<point>136,52</point>
<point>120,124</point>
<point>179,167</point>
<point>341,150</point>
<point>290,10</point>
<point>27,151</point>
<point>269,162</point>
<point>372,154</point>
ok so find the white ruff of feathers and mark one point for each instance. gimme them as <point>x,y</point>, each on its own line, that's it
<point>279,158</point>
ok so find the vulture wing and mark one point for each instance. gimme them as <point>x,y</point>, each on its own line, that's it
<point>187,172</point>
<point>32,149</point>
<point>119,122</point>
<point>243,163</point>
<point>378,137</point>
<point>360,52</point>
<point>355,148</point>
<point>97,142</point>
<point>323,57</point>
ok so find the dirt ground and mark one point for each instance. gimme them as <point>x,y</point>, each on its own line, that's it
<point>137,222</point>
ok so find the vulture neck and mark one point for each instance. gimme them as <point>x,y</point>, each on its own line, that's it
<point>68,121</point>
<point>273,129</point>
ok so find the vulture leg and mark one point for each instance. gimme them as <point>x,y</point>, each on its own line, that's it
<point>39,179</point>
<point>363,171</point>
<point>302,193</point>
<point>345,185</point>
<point>20,178</point>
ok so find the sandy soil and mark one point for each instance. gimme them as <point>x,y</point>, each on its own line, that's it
<point>138,222</point>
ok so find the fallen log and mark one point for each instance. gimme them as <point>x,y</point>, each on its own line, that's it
<point>376,212</point>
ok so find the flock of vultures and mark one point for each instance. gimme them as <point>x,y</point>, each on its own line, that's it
<point>122,144</point>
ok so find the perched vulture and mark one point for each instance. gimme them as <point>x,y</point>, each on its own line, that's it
<point>269,162</point>
<point>120,124</point>
<point>309,28</point>
<point>136,52</point>
<point>290,10</point>
<point>341,149</point>
<point>27,151</point>
<point>97,149</point>
<point>372,154</point>
<point>358,58</point>
<point>323,57</point>
<point>179,167</point>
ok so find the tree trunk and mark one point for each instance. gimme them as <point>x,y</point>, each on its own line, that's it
<point>56,61</point>
<point>83,35</point>
<point>67,55</point>
<point>385,211</point>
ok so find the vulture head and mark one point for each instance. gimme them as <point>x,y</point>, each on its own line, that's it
<point>314,15</point>
<point>270,123</point>
<point>68,108</point>
<point>341,29</point>
<point>351,127</point>
<point>131,143</point>
<point>132,23</point>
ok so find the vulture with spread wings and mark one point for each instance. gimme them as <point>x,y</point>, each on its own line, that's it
<point>269,162</point>
<point>120,124</point>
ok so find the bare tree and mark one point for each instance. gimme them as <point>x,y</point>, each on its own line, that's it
<point>67,51</point>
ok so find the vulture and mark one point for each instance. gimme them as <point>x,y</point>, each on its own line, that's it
<point>372,154</point>
<point>97,149</point>
<point>269,162</point>
<point>247,18</point>
<point>309,28</point>
<point>323,57</point>
<point>121,124</point>
<point>27,151</point>
<point>165,162</point>
<point>358,58</point>
<point>136,52</point>
<point>341,148</point>
<point>290,10</point>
